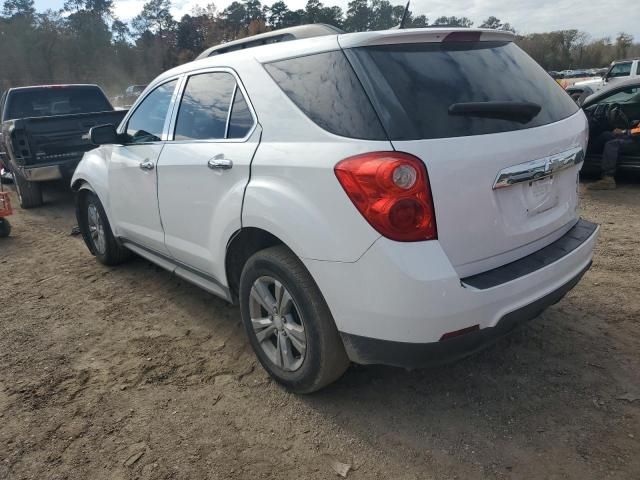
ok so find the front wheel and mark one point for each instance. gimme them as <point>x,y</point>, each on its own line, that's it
<point>289,323</point>
<point>96,230</point>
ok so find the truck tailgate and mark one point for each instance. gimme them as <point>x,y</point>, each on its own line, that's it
<point>43,140</point>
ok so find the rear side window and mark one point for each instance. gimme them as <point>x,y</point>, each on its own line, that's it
<point>49,101</point>
<point>241,120</point>
<point>412,86</point>
<point>326,89</point>
<point>205,106</point>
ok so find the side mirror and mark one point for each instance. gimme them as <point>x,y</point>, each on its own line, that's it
<point>104,135</point>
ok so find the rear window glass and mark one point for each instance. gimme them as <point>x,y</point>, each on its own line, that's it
<point>326,89</point>
<point>412,87</point>
<point>241,120</point>
<point>55,101</point>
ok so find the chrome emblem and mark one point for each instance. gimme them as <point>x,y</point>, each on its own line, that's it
<point>538,169</point>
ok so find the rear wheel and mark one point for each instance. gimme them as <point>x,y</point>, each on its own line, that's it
<point>288,322</point>
<point>29,193</point>
<point>97,233</point>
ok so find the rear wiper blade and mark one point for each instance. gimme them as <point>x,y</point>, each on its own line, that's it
<point>521,112</point>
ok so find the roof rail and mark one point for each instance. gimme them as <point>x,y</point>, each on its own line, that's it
<point>275,36</point>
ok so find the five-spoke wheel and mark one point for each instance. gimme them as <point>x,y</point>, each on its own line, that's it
<point>288,322</point>
<point>277,323</point>
<point>96,228</point>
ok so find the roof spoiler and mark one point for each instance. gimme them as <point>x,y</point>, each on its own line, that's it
<point>423,35</point>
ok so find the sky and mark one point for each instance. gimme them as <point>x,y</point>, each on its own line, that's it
<point>599,18</point>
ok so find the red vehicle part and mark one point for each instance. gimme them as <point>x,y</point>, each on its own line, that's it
<point>5,204</point>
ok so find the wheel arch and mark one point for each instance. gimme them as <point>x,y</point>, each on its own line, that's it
<point>81,187</point>
<point>241,246</point>
<point>80,184</point>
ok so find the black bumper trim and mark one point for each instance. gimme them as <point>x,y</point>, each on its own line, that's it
<point>368,351</point>
<point>553,252</point>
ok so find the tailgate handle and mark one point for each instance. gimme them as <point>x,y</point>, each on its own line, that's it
<point>538,169</point>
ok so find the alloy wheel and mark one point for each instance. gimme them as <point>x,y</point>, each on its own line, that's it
<point>96,229</point>
<point>277,324</point>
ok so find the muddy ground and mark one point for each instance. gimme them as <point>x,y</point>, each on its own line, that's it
<point>128,372</point>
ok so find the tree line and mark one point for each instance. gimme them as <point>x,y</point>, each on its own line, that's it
<point>85,41</point>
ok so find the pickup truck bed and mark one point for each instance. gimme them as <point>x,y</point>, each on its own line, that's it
<point>44,132</point>
<point>49,148</point>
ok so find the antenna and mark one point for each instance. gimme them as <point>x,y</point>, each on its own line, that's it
<point>404,16</point>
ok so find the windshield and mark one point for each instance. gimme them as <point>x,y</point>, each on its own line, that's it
<point>49,101</point>
<point>414,86</point>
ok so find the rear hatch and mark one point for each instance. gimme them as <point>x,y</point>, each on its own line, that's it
<point>502,142</point>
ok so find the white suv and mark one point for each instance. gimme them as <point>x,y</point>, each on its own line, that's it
<point>399,197</point>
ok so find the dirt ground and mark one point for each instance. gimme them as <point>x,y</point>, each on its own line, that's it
<point>128,372</point>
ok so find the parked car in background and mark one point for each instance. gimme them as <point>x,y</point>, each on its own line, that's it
<point>399,197</point>
<point>129,97</point>
<point>619,70</point>
<point>615,106</point>
<point>44,132</point>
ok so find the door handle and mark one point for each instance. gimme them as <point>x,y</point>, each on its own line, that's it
<point>220,164</point>
<point>147,165</point>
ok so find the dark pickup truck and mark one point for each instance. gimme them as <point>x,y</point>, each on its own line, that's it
<point>44,132</point>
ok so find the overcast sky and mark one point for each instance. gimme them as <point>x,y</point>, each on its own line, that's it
<point>599,18</point>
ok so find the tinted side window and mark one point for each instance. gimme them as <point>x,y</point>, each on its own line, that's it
<point>147,122</point>
<point>327,90</point>
<point>241,119</point>
<point>205,106</point>
<point>620,70</point>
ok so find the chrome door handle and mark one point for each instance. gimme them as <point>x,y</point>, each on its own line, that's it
<point>220,164</point>
<point>147,165</point>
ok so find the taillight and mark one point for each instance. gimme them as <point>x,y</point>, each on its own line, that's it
<point>391,190</point>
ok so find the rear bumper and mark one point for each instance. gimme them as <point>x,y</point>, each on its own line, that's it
<point>394,305</point>
<point>413,355</point>
<point>45,173</point>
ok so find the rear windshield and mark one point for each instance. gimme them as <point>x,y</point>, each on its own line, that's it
<point>55,101</point>
<point>412,87</point>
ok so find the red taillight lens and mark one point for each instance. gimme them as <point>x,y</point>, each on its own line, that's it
<point>391,190</point>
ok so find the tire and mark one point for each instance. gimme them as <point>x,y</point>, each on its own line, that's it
<point>29,193</point>
<point>96,230</point>
<point>306,316</point>
<point>5,228</point>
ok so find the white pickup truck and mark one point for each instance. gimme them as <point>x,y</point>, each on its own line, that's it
<point>619,70</point>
